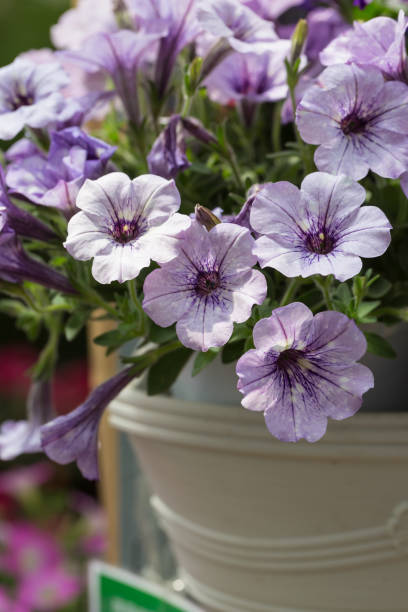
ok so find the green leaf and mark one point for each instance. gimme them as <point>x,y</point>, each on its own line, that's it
<point>160,335</point>
<point>204,359</point>
<point>75,323</point>
<point>379,288</point>
<point>379,346</point>
<point>232,351</point>
<point>112,338</point>
<point>365,308</point>
<point>165,371</point>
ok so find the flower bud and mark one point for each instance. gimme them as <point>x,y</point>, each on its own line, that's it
<point>298,40</point>
<point>206,217</point>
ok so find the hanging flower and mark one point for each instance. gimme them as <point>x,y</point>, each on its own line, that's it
<point>18,437</point>
<point>319,229</point>
<point>123,224</point>
<point>359,121</point>
<point>30,95</point>
<point>84,20</point>
<point>21,221</point>
<point>210,285</point>
<point>55,180</point>
<point>303,370</point>
<point>16,266</point>
<point>74,436</point>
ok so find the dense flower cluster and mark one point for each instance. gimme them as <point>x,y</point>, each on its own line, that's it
<point>208,227</point>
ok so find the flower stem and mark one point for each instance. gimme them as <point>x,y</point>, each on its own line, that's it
<point>325,285</point>
<point>291,289</point>
<point>139,309</point>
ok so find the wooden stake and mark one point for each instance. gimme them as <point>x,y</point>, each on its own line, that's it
<point>100,369</point>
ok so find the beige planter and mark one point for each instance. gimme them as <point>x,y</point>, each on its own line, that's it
<point>260,525</point>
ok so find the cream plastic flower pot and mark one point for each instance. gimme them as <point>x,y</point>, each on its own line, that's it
<point>260,525</point>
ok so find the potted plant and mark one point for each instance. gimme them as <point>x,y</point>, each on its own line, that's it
<point>235,257</point>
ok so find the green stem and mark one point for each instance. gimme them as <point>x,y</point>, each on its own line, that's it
<point>139,309</point>
<point>229,156</point>
<point>48,357</point>
<point>148,359</point>
<point>324,285</point>
<point>96,300</point>
<point>291,289</point>
<point>276,127</point>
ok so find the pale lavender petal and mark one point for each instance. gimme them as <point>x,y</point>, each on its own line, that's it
<point>74,436</point>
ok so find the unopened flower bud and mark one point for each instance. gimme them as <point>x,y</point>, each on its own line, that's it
<point>298,40</point>
<point>206,217</point>
<point>192,76</point>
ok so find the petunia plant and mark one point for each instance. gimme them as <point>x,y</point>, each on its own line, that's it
<point>217,179</point>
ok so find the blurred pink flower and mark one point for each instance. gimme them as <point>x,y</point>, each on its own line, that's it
<point>8,605</point>
<point>49,588</point>
<point>21,480</point>
<point>27,550</point>
<point>14,362</point>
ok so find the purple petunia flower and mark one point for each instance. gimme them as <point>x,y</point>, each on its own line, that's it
<point>303,370</point>
<point>359,121</point>
<point>168,155</point>
<point>319,229</point>
<point>84,20</point>
<point>30,95</point>
<point>55,180</point>
<point>179,28</point>
<point>243,29</point>
<point>123,224</point>
<point>271,10</point>
<point>49,589</point>
<point>20,220</point>
<point>119,55</point>
<point>379,42</point>
<point>74,436</point>
<point>210,285</point>
<point>18,437</point>
<point>253,77</point>
<point>16,266</point>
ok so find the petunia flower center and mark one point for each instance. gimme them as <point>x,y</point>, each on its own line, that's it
<point>320,242</point>
<point>207,282</point>
<point>288,358</point>
<point>21,98</point>
<point>353,124</point>
<point>124,231</point>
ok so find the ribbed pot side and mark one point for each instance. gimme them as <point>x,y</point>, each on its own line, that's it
<point>261,525</point>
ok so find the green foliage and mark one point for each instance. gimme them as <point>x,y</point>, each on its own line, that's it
<point>202,360</point>
<point>379,346</point>
<point>165,371</point>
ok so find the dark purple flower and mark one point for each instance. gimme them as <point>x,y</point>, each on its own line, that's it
<point>320,229</point>
<point>379,42</point>
<point>20,220</point>
<point>30,95</point>
<point>16,266</point>
<point>303,370</point>
<point>55,180</point>
<point>74,436</point>
<point>17,437</point>
<point>119,55</point>
<point>210,285</point>
<point>168,155</point>
<point>359,121</point>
